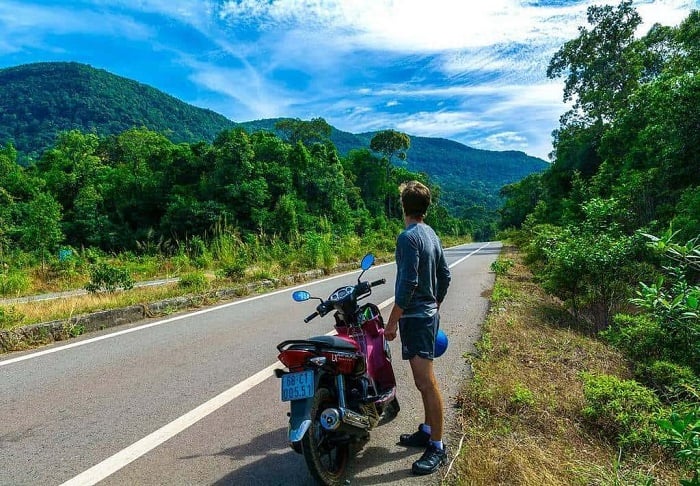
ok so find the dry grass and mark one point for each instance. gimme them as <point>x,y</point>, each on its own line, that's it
<point>66,307</point>
<point>521,411</point>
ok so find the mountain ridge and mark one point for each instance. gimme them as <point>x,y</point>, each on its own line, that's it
<point>39,100</point>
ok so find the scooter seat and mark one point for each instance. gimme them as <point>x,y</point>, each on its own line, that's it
<point>333,342</point>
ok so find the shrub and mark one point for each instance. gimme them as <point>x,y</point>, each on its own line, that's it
<point>522,396</point>
<point>670,380</point>
<point>588,271</point>
<point>673,300</point>
<point>104,277</point>
<point>10,317</point>
<point>640,337</point>
<point>501,266</point>
<point>194,281</point>
<point>318,250</point>
<point>543,237</point>
<point>682,433</point>
<point>13,283</point>
<point>623,408</point>
<point>500,294</point>
<point>234,270</point>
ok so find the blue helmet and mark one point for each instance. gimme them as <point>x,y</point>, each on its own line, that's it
<point>440,343</point>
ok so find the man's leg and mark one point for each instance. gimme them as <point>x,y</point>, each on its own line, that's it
<point>427,385</point>
<point>435,454</point>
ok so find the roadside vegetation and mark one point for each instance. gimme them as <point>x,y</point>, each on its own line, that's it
<point>589,371</point>
<point>102,213</point>
<point>227,263</point>
<point>552,403</point>
<point>111,281</point>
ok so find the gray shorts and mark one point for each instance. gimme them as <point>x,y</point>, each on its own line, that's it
<point>418,336</point>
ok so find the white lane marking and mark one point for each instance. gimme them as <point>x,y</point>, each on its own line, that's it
<point>166,321</point>
<point>119,460</point>
<point>124,457</point>
<point>465,257</point>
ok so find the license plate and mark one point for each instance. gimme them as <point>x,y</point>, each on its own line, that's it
<point>297,386</point>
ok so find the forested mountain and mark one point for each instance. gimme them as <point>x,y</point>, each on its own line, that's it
<point>444,160</point>
<point>38,101</point>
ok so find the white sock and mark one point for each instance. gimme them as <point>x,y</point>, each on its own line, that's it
<point>425,428</point>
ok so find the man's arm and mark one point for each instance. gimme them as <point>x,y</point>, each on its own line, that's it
<point>406,282</point>
<point>443,278</point>
<point>392,325</point>
<point>407,270</point>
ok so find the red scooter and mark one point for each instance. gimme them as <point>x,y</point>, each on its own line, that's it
<point>339,387</point>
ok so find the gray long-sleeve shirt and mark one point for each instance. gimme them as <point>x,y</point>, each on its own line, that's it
<point>422,273</point>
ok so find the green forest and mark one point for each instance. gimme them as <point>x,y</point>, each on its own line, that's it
<point>40,101</point>
<point>139,194</point>
<point>612,227</point>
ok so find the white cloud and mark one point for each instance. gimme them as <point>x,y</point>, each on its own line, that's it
<point>442,123</point>
<point>424,123</point>
<point>251,97</point>
<point>502,141</point>
<point>438,25</point>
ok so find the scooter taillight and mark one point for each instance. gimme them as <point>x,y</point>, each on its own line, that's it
<point>344,363</point>
<point>295,358</point>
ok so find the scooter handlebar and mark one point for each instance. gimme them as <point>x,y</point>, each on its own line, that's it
<point>315,314</point>
<point>381,281</point>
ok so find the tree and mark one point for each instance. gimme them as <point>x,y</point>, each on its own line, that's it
<point>391,144</point>
<point>520,200</point>
<point>602,65</point>
<point>306,132</point>
<point>135,190</point>
<point>41,225</point>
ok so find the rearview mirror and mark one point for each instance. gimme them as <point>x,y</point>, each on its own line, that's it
<point>367,261</point>
<point>301,296</point>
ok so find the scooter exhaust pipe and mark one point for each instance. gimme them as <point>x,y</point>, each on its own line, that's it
<point>342,419</point>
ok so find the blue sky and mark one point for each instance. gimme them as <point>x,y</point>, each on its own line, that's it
<point>468,70</point>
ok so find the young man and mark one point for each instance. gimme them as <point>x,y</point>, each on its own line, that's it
<point>421,284</point>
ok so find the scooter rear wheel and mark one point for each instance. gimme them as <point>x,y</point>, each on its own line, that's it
<point>326,459</point>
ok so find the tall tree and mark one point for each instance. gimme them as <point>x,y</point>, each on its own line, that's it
<point>306,132</point>
<point>602,65</point>
<point>391,144</point>
<point>41,225</point>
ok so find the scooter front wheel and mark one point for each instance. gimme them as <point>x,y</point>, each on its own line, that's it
<point>326,458</point>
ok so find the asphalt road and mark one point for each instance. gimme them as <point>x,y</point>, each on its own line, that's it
<point>191,399</point>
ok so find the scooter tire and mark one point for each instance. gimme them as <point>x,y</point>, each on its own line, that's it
<point>326,461</point>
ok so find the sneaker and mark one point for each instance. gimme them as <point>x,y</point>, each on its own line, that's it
<point>416,439</point>
<point>430,461</point>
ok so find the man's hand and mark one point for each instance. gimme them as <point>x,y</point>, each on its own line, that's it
<point>392,324</point>
<point>390,330</point>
